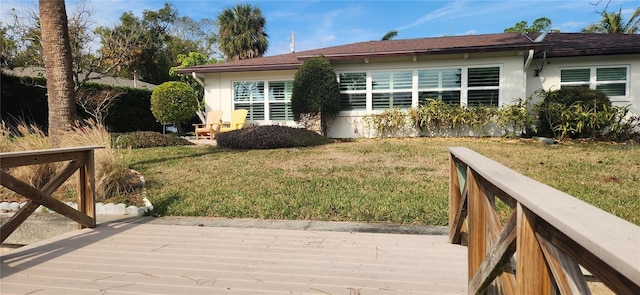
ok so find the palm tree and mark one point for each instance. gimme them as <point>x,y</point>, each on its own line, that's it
<point>611,23</point>
<point>242,32</point>
<point>56,53</point>
<point>389,35</point>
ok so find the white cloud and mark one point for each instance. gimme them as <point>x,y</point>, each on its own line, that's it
<point>434,15</point>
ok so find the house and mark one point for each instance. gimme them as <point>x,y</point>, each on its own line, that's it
<point>491,69</point>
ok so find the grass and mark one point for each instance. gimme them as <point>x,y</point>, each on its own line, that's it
<point>397,180</point>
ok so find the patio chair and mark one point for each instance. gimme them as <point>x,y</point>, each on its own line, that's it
<point>238,121</point>
<point>211,127</point>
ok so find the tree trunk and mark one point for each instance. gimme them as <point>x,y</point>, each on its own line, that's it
<point>57,60</point>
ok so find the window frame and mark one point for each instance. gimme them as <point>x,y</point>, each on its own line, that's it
<point>266,102</point>
<point>391,90</point>
<point>593,82</point>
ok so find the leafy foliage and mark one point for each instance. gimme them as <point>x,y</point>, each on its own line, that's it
<point>315,91</point>
<point>539,25</point>
<point>612,23</point>
<point>173,102</point>
<point>516,118</point>
<point>574,112</point>
<point>390,123</point>
<point>269,137</point>
<point>242,32</point>
<point>147,139</point>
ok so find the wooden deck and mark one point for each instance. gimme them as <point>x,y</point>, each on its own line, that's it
<point>146,258</point>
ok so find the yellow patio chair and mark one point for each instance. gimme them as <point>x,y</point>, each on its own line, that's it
<point>238,121</point>
<point>211,127</point>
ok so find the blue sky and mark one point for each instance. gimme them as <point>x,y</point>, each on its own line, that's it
<point>325,23</point>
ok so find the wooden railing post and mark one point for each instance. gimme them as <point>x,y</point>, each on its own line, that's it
<point>86,189</point>
<point>548,236</point>
<point>79,159</point>
<point>532,274</point>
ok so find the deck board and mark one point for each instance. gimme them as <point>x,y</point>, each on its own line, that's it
<point>145,258</point>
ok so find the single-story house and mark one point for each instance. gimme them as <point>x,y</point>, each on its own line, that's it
<point>491,69</point>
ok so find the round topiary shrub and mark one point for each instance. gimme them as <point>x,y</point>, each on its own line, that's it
<point>269,137</point>
<point>173,102</point>
<point>571,111</point>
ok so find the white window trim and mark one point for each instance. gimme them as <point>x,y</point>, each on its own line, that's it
<point>593,83</point>
<point>415,87</point>
<point>265,100</point>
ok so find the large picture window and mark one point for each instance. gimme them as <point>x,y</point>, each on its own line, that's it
<point>353,91</point>
<point>610,80</point>
<point>250,95</point>
<point>391,89</point>
<point>383,90</point>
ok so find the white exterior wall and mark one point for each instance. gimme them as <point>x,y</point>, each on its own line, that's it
<point>218,92</point>
<point>550,76</point>
<point>349,124</point>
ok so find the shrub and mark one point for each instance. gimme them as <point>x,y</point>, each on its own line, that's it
<point>389,123</point>
<point>577,112</point>
<point>270,137</point>
<point>515,119</point>
<point>315,91</point>
<point>147,139</point>
<point>111,169</point>
<point>174,102</point>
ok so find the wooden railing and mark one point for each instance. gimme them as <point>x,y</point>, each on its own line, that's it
<point>548,235</point>
<point>80,159</point>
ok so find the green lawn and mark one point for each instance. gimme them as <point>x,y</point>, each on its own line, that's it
<point>396,180</point>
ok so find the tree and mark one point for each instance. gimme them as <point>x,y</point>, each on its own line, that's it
<point>316,92</point>
<point>96,101</point>
<point>242,32</point>
<point>612,23</point>
<point>539,25</point>
<point>173,102</point>
<point>57,60</point>
<point>188,60</point>
<point>389,35</point>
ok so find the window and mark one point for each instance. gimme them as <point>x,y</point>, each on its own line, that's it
<point>391,89</point>
<point>483,86</point>
<point>280,100</point>
<point>249,96</point>
<point>353,91</point>
<point>442,84</point>
<point>383,90</point>
<point>610,80</point>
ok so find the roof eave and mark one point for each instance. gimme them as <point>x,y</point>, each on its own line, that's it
<point>591,52</point>
<point>346,56</point>
<point>238,68</point>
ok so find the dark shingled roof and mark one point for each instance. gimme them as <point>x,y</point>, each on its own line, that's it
<point>555,44</point>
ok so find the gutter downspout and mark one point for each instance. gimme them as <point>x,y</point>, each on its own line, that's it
<point>527,63</point>
<point>199,112</point>
<point>195,77</point>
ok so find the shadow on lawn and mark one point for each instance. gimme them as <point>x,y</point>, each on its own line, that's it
<point>210,150</point>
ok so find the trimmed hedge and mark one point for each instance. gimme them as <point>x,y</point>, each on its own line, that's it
<point>25,98</point>
<point>147,139</point>
<point>270,137</point>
